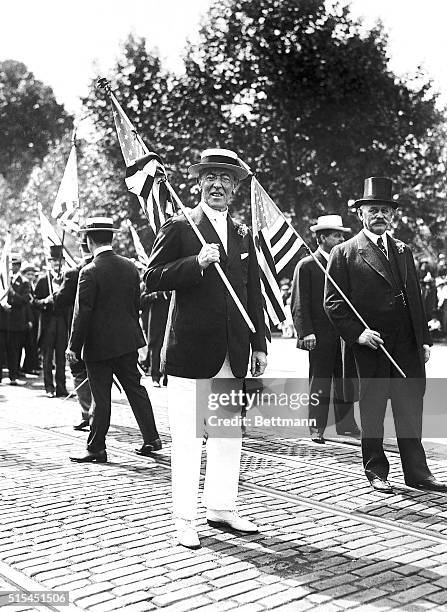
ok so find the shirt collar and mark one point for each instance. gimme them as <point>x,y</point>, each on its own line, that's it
<point>102,249</point>
<point>375,237</point>
<point>325,255</point>
<point>212,214</point>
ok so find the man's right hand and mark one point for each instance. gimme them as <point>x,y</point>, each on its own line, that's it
<point>209,254</point>
<point>310,342</point>
<point>370,338</point>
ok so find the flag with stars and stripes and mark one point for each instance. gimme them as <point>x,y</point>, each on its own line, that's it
<point>4,269</point>
<point>276,243</point>
<point>66,205</point>
<point>145,173</point>
<point>139,248</point>
<point>50,237</point>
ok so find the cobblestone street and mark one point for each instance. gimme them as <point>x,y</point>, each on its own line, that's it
<point>103,532</point>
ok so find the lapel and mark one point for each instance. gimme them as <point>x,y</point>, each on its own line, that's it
<point>401,259</point>
<point>207,230</point>
<point>234,240</point>
<point>373,257</point>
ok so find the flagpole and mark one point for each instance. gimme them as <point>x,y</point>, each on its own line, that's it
<point>216,264</point>
<point>104,84</point>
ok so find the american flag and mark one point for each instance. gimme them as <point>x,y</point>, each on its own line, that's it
<point>4,269</point>
<point>145,173</point>
<point>51,237</point>
<point>139,248</point>
<point>276,243</point>
<point>66,205</point>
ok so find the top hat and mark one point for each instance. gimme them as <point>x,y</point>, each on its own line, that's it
<point>377,189</point>
<point>219,158</point>
<point>329,222</point>
<point>98,224</point>
<point>56,251</point>
<point>15,257</point>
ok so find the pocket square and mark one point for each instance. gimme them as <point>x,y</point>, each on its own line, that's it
<point>244,255</point>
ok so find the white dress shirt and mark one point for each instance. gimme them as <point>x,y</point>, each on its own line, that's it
<point>218,219</point>
<point>375,237</point>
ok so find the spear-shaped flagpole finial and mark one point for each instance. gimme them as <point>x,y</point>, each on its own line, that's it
<point>103,83</point>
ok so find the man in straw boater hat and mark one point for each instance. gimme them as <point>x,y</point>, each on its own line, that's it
<point>64,297</point>
<point>54,325</point>
<point>14,318</point>
<point>317,335</point>
<point>377,274</point>
<point>106,333</point>
<point>209,338</point>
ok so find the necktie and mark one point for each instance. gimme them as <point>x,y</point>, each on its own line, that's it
<point>381,246</point>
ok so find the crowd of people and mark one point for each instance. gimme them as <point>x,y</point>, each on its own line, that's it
<point>355,305</point>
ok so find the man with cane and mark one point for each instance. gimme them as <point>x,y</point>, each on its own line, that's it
<point>378,276</point>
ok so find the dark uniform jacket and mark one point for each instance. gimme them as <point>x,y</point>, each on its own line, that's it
<point>19,297</point>
<point>206,323</point>
<point>105,320</point>
<point>48,310</point>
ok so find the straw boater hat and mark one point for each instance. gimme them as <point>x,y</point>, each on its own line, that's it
<point>98,224</point>
<point>377,190</point>
<point>329,222</point>
<point>15,257</point>
<point>219,158</point>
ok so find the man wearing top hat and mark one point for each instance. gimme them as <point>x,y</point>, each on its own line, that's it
<point>64,297</point>
<point>106,334</point>
<point>31,360</point>
<point>208,338</point>
<point>317,335</point>
<point>54,326</point>
<point>14,318</point>
<point>378,275</point>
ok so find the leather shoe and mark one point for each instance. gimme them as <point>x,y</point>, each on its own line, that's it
<point>187,534</point>
<point>429,484</point>
<point>50,394</point>
<point>351,434</point>
<point>318,438</point>
<point>83,426</point>
<point>230,520</point>
<point>149,447</point>
<point>62,393</point>
<point>100,457</point>
<point>378,484</point>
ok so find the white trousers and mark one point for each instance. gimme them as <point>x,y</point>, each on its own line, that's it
<point>223,454</point>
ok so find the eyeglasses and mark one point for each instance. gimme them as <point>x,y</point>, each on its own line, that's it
<point>226,179</point>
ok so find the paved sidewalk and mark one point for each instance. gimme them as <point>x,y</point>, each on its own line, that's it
<point>103,532</point>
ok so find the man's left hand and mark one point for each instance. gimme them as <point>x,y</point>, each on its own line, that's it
<point>258,363</point>
<point>426,352</point>
<point>71,356</point>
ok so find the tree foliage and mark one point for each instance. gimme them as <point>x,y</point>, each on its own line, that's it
<point>30,120</point>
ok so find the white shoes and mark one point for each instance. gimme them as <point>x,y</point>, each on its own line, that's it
<point>187,534</point>
<point>224,519</point>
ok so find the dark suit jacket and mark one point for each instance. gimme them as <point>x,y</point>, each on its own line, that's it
<point>307,307</point>
<point>206,323</point>
<point>19,297</point>
<point>105,320</point>
<point>359,270</point>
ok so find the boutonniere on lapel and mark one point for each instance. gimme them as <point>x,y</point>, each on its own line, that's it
<point>400,246</point>
<point>242,229</point>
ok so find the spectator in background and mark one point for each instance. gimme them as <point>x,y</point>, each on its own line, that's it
<point>428,288</point>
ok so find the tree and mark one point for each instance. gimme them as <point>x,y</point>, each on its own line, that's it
<point>311,104</point>
<point>30,120</point>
